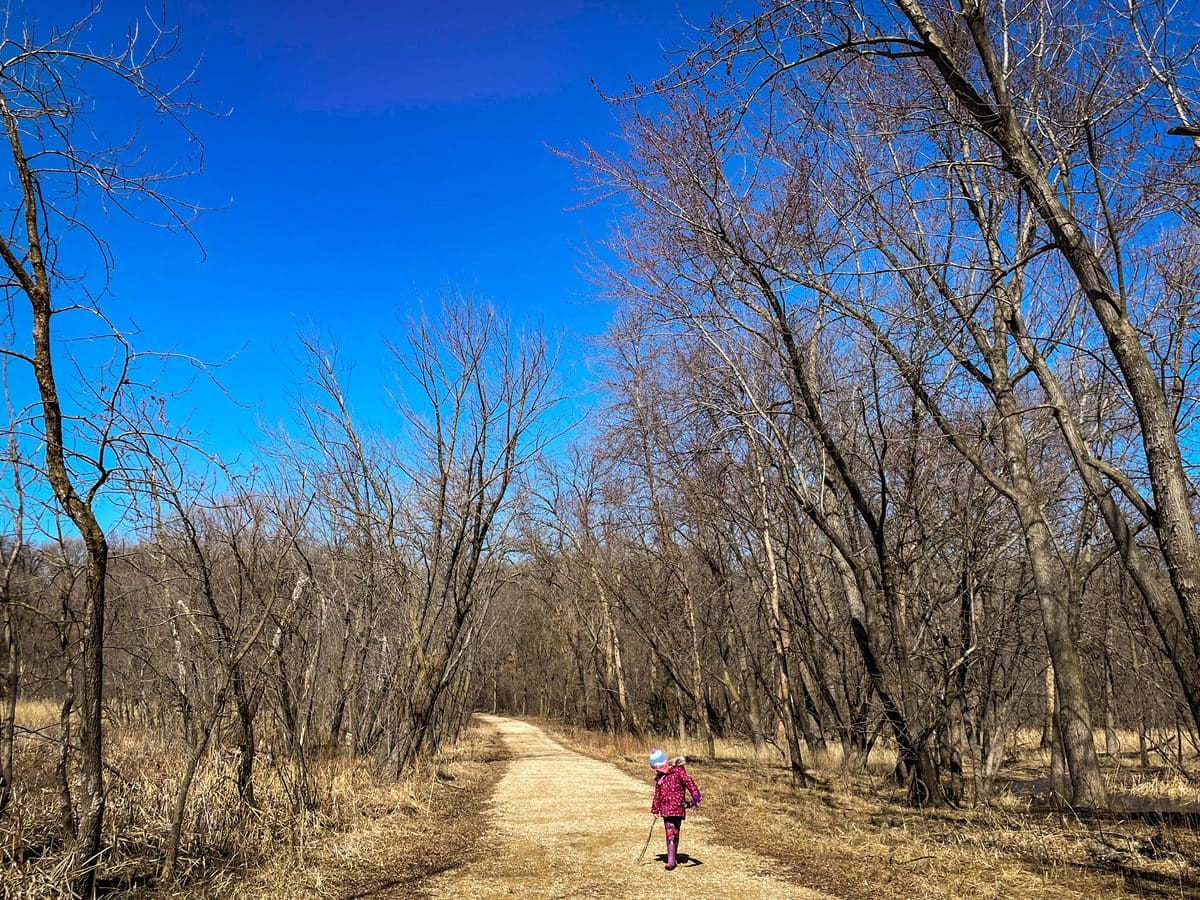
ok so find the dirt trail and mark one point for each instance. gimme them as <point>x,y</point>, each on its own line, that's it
<point>564,825</point>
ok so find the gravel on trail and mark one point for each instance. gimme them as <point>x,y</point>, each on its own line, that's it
<point>565,825</point>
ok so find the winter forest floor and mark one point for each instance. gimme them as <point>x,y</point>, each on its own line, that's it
<point>549,812</point>
<point>538,810</point>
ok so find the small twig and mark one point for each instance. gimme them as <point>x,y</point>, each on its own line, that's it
<point>905,862</point>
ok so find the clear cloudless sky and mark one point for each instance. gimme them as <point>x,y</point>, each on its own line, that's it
<point>372,155</point>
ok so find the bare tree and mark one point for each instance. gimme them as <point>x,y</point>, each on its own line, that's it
<point>59,162</point>
<point>417,528</point>
<point>478,420</point>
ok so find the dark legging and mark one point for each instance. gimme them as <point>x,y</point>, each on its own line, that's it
<point>672,825</point>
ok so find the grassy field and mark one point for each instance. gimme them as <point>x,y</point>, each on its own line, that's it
<point>851,835</point>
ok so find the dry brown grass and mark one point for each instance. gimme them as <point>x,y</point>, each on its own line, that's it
<point>221,834</point>
<point>395,837</point>
<point>228,849</point>
<point>37,715</point>
<point>851,835</point>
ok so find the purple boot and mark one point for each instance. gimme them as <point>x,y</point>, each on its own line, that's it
<point>672,843</point>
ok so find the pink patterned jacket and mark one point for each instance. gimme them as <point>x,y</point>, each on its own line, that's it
<point>668,793</point>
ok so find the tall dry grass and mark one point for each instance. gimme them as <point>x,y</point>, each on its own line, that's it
<point>222,836</point>
<point>397,834</point>
<point>37,715</point>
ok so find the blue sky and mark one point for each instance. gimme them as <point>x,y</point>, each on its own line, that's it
<point>373,154</point>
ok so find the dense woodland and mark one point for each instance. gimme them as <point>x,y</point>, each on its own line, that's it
<point>895,444</point>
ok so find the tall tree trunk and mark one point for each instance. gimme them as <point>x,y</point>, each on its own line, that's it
<point>9,721</point>
<point>62,766</point>
<point>246,749</point>
<point>179,807</point>
<point>699,694</point>
<point>1074,708</point>
<point>781,638</point>
<point>628,719</point>
<point>915,763</point>
<point>1048,708</point>
<point>1111,744</point>
<point>1060,786</point>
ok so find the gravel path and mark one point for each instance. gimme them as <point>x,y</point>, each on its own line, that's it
<point>565,825</point>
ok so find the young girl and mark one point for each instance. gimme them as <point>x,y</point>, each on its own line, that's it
<point>669,784</point>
